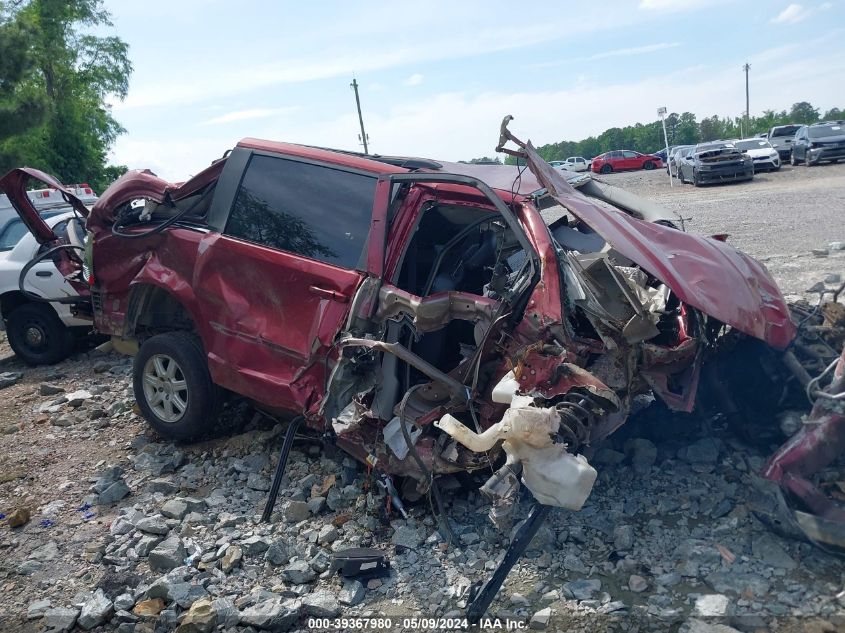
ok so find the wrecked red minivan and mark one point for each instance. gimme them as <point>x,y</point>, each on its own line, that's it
<point>428,317</point>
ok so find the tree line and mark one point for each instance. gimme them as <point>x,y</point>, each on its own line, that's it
<point>682,129</point>
<point>58,69</point>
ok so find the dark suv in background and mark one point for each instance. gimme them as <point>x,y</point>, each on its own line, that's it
<point>818,142</point>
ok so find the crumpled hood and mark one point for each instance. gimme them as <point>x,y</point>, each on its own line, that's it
<point>703,272</point>
<point>724,153</point>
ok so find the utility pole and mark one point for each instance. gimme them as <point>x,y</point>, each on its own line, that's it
<point>363,135</point>
<point>746,67</point>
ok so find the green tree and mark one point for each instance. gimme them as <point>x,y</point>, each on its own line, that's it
<point>21,109</point>
<point>768,120</point>
<point>803,112</point>
<point>710,128</point>
<point>74,71</point>
<point>484,160</point>
<point>686,132</point>
<point>672,127</point>
<point>683,129</point>
<point>834,114</point>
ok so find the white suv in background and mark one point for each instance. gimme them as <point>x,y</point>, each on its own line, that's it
<point>573,163</point>
<point>576,163</point>
<point>39,332</point>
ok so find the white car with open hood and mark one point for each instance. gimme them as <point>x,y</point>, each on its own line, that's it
<point>39,331</point>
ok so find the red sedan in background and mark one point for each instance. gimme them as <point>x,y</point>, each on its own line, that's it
<point>619,160</point>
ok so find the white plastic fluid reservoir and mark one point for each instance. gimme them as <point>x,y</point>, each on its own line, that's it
<point>506,389</point>
<point>557,478</point>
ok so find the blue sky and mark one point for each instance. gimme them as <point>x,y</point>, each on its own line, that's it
<point>436,78</point>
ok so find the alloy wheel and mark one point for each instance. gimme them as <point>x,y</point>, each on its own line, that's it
<point>165,388</point>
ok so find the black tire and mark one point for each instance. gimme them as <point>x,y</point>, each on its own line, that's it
<point>648,165</point>
<point>200,396</point>
<point>606,169</point>
<point>696,181</point>
<point>792,160</point>
<point>807,161</point>
<point>37,335</point>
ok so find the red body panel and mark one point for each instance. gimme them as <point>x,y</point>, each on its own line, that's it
<point>166,260</point>
<point>271,318</point>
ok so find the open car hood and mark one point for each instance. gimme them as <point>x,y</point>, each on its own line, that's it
<point>703,272</point>
<point>14,183</point>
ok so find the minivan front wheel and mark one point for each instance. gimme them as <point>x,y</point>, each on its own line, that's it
<point>173,386</point>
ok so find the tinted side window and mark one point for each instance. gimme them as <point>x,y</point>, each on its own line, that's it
<point>310,210</point>
<point>630,154</point>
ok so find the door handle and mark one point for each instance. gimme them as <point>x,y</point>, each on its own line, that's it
<point>43,273</point>
<point>325,293</point>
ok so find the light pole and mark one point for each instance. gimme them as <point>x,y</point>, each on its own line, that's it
<point>661,111</point>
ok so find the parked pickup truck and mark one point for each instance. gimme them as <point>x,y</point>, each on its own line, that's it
<point>781,138</point>
<point>427,317</point>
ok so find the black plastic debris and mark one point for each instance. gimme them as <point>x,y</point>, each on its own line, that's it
<point>360,562</point>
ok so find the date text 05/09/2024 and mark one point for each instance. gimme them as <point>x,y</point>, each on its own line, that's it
<point>415,623</point>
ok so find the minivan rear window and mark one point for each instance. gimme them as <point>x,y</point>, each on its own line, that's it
<point>315,211</point>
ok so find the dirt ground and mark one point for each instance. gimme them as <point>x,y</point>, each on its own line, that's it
<point>778,217</point>
<point>49,460</point>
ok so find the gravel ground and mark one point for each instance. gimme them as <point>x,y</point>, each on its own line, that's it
<point>779,217</point>
<point>127,532</point>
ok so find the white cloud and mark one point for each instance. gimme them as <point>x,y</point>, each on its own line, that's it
<point>792,13</point>
<point>798,13</point>
<point>219,77</point>
<point>618,52</point>
<point>636,50</point>
<point>174,159</point>
<point>254,113</point>
<point>414,80</point>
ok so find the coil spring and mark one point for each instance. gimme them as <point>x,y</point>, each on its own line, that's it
<point>577,415</point>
